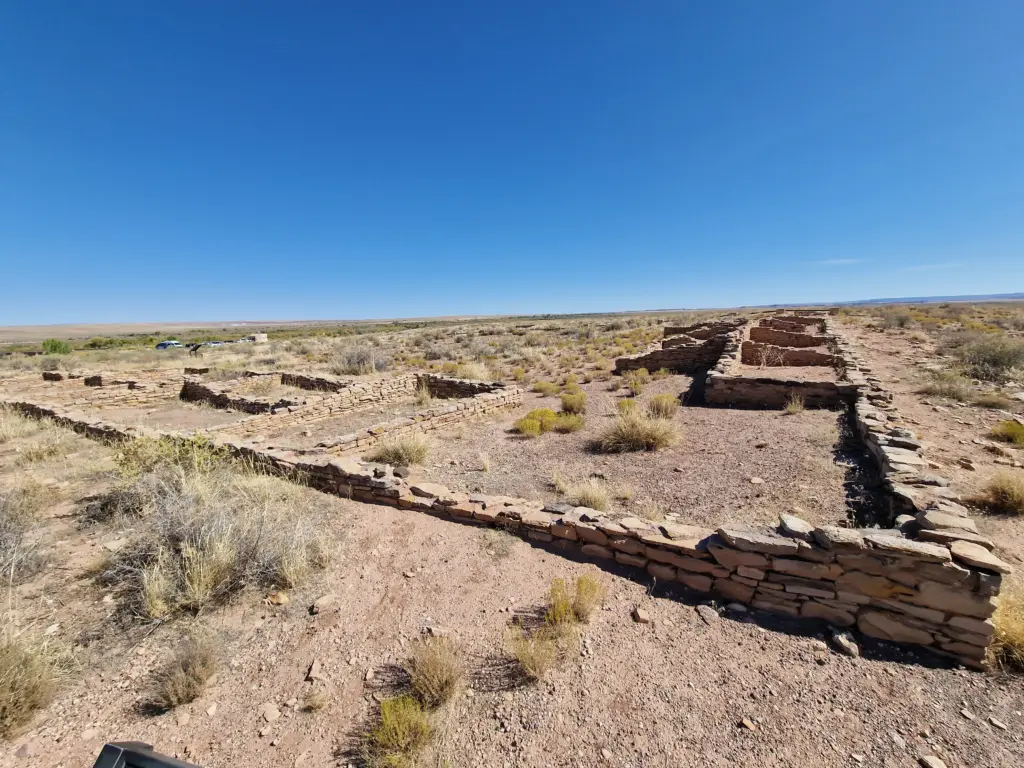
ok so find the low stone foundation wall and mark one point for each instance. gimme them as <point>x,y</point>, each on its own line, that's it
<point>756,353</point>
<point>796,323</point>
<point>774,393</point>
<point>316,383</point>
<point>786,338</point>
<point>223,395</point>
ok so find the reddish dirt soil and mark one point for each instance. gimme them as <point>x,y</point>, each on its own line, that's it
<point>175,414</point>
<point>705,478</point>
<point>345,424</point>
<point>794,372</point>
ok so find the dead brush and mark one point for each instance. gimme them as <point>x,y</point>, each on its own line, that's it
<point>183,679</point>
<point>632,432</point>
<point>436,670</point>
<point>203,537</point>
<point>30,673</point>
<point>794,405</point>
<point>402,450</point>
<point>1002,495</point>
<point>19,505</point>
<point>569,606</point>
<point>1007,648</point>
<point>536,652</point>
<point>14,424</point>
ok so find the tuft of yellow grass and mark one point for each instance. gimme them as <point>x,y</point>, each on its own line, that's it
<point>436,670</point>
<point>795,404</point>
<point>663,406</point>
<point>1007,648</point>
<point>184,678</point>
<point>575,403</point>
<point>29,675</point>
<point>402,732</point>
<point>536,652</point>
<point>401,450</point>
<point>638,433</point>
<point>1009,431</point>
<point>1002,495</point>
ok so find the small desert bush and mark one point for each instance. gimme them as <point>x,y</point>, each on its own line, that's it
<point>615,385</point>
<point>574,403</point>
<point>536,422</point>
<point>201,537</point>
<point>19,556</point>
<point>662,406</point>
<point>795,404</point>
<point>1007,648</point>
<point>402,732</point>
<point>1009,431</point>
<point>637,380</point>
<point>48,442</point>
<point>183,679</point>
<point>423,396</point>
<point>993,400</point>
<point>401,450</point>
<point>473,370</point>
<point>14,424</point>
<point>142,455</point>
<point>315,700</point>
<point>56,347</point>
<point>649,510</point>
<point>536,652</point>
<point>485,461</point>
<point>626,406</point>
<point>990,356</point>
<point>588,493</point>
<point>546,388</point>
<point>260,386</point>
<point>29,675</point>
<point>567,606</point>
<point>436,670</point>
<point>638,433</point>
<point>1003,495</point>
<point>358,361</point>
<point>568,422</point>
<point>948,384</point>
<point>661,373</point>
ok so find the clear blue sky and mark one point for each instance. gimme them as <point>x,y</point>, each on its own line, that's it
<point>170,160</point>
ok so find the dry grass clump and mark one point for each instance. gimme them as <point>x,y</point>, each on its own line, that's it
<point>536,422</point>
<point>14,424</point>
<point>315,700</point>
<point>402,732</point>
<point>587,493</point>
<point>988,356</point>
<point>423,396</point>
<point>536,652</point>
<point>1009,431</point>
<point>993,400</point>
<point>205,536</point>
<point>638,433</point>
<point>436,670</point>
<point>663,406</point>
<point>143,455</point>
<point>568,422</point>
<point>260,386</point>
<point>401,450</point>
<point>795,404</point>
<point>49,442</point>
<point>948,384</point>
<point>575,605</point>
<point>546,388</point>
<point>183,679</point>
<point>637,380</point>
<point>358,361</point>
<point>473,370</point>
<point>1007,648</point>
<point>1002,495</point>
<point>626,406</point>
<point>574,403</point>
<point>29,675</point>
<point>19,505</point>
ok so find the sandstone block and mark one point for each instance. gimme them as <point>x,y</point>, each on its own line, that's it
<point>661,572</point>
<point>948,599</point>
<point>977,626</point>
<point>866,584</point>
<point>632,560</point>
<point>807,570</point>
<point>750,573</point>
<point>815,610</point>
<point>429,490</point>
<point>758,541</point>
<point>930,615</point>
<point>838,539</point>
<point>934,520</point>
<point>885,626</point>
<point>590,534</point>
<point>950,536</point>
<point>629,546</point>
<point>695,581</point>
<point>919,550</point>
<point>596,550</point>
<point>974,652</point>
<point>733,558</point>
<point>733,590</point>
<point>977,556</point>
<point>795,527</point>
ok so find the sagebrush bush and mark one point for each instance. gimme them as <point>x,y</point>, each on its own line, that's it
<point>56,347</point>
<point>473,370</point>
<point>1009,431</point>
<point>1002,495</point>
<point>536,422</point>
<point>546,388</point>
<point>436,670</point>
<point>663,406</point>
<point>637,380</point>
<point>574,403</point>
<point>184,677</point>
<point>401,450</point>
<point>202,536</point>
<point>948,384</point>
<point>401,733</point>
<point>358,361</point>
<point>14,425</point>
<point>638,433</point>
<point>588,493</point>
<point>626,406</point>
<point>989,356</point>
<point>568,422</point>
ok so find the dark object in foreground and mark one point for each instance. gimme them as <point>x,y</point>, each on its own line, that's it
<point>135,754</point>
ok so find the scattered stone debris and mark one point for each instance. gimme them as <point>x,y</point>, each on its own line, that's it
<point>707,614</point>
<point>326,601</point>
<point>641,616</point>
<point>845,642</point>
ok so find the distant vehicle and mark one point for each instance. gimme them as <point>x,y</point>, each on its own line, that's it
<point>168,344</point>
<point>213,344</point>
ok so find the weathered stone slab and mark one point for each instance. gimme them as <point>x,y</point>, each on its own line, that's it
<point>733,558</point>
<point>596,550</point>
<point>807,570</point>
<point>949,536</point>
<point>757,541</point>
<point>590,534</point>
<point>695,581</point>
<point>934,520</point>
<point>952,600</point>
<point>977,556</point>
<point>795,527</point>
<point>429,490</point>
<point>977,626</point>
<point>919,550</point>
<point>661,571</point>
<point>862,583</point>
<point>733,590</point>
<point>838,539</point>
<point>815,610</point>
<point>887,626</point>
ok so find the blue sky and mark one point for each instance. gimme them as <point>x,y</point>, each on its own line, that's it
<point>171,160</point>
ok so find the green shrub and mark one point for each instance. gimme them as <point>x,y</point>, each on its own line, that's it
<point>989,356</point>
<point>568,422</point>
<point>435,670</point>
<point>536,422</point>
<point>56,347</point>
<point>402,732</point>
<point>638,433</point>
<point>574,403</point>
<point>663,406</point>
<point>546,388</point>
<point>1009,431</point>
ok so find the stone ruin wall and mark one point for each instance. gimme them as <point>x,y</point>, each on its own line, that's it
<point>684,349</point>
<point>754,353</point>
<point>787,338</point>
<point>929,580</point>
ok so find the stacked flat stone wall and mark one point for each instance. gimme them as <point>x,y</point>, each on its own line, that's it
<point>316,383</point>
<point>755,353</point>
<point>222,394</point>
<point>786,338</point>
